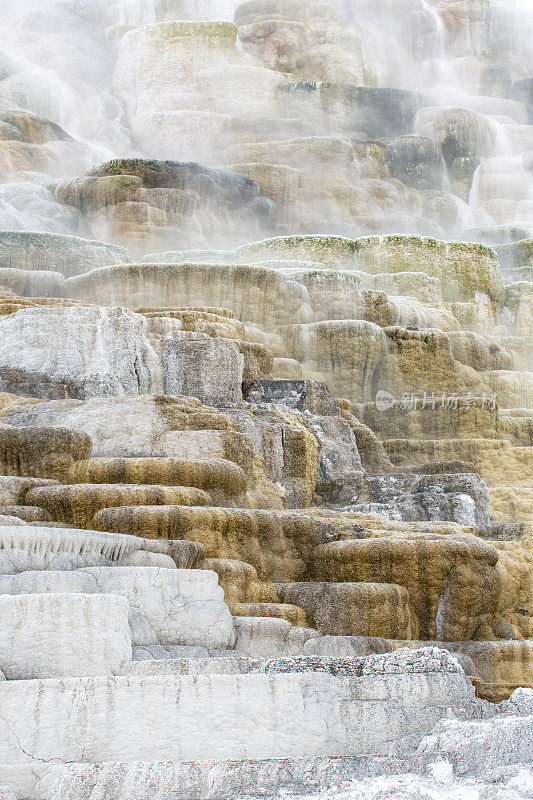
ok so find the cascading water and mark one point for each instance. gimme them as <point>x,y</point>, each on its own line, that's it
<point>266,407</point>
<point>430,69</point>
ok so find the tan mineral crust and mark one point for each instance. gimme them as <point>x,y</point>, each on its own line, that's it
<point>266,400</point>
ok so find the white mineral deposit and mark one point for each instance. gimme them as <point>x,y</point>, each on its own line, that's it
<point>266,400</point>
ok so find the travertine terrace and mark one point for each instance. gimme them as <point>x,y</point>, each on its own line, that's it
<point>266,400</point>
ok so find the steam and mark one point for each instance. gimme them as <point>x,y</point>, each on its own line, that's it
<point>19,5</point>
<point>322,113</point>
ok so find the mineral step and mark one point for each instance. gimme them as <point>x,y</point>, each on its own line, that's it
<point>292,613</point>
<point>240,716</point>
<point>205,321</point>
<point>273,541</point>
<point>154,606</point>
<point>78,503</point>
<point>209,474</point>
<point>496,668</point>
<point>225,780</point>
<point>512,504</point>
<point>238,579</point>
<point>37,547</point>
<point>32,449</point>
<point>209,310</point>
<point>260,637</point>
<point>494,459</point>
<point>13,489</point>
<point>386,559</point>
<point>350,609</point>
<point>28,513</point>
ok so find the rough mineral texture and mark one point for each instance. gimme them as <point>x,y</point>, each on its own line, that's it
<point>266,400</point>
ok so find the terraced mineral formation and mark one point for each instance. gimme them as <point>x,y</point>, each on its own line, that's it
<point>266,400</point>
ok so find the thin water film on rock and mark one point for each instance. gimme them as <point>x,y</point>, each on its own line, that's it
<point>266,399</point>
